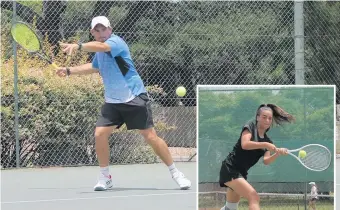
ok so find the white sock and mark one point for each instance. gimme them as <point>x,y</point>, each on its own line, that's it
<point>105,171</point>
<point>231,206</point>
<point>172,168</point>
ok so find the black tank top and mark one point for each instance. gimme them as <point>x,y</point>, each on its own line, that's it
<point>242,159</point>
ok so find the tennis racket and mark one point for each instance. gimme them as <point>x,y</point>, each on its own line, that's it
<point>28,39</point>
<point>318,157</point>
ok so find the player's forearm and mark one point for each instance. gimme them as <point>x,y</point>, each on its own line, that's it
<point>95,47</point>
<point>82,69</point>
<point>270,159</point>
<point>250,145</point>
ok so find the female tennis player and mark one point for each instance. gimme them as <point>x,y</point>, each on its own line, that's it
<point>252,144</point>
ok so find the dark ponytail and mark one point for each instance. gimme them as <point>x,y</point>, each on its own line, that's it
<point>280,116</point>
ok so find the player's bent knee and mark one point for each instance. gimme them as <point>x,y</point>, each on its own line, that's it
<point>151,138</point>
<point>149,135</point>
<point>253,196</point>
<point>101,135</point>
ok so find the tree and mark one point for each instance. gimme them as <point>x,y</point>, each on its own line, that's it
<point>322,29</point>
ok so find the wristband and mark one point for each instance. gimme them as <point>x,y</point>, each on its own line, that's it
<point>80,45</point>
<point>68,71</point>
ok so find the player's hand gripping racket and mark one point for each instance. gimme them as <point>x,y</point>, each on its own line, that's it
<point>28,39</point>
<point>314,157</point>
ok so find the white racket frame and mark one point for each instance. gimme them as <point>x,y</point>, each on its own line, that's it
<point>290,152</point>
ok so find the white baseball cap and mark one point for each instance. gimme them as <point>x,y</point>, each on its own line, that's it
<point>312,183</point>
<point>100,20</point>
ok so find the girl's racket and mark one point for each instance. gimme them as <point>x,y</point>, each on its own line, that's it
<point>314,157</point>
<point>28,39</point>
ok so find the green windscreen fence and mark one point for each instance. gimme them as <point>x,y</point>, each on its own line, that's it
<point>223,111</point>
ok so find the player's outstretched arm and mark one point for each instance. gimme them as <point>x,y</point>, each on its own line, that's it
<point>76,70</point>
<point>93,46</point>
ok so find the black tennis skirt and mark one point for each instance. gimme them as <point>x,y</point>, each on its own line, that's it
<point>228,173</point>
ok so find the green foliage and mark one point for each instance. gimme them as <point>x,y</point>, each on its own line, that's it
<point>322,42</point>
<point>229,110</point>
<point>218,42</point>
<point>201,39</point>
<point>36,5</point>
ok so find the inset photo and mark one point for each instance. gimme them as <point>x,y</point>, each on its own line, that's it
<point>266,147</point>
<point>337,144</point>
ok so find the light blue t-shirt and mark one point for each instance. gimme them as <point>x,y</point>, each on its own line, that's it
<point>122,83</point>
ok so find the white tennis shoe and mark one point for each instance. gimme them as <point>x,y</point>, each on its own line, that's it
<point>181,180</point>
<point>104,183</point>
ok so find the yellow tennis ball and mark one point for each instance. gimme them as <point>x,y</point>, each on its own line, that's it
<point>302,154</point>
<point>181,91</point>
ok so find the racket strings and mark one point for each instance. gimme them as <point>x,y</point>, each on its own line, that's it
<point>25,37</point>
<point>317,158</point>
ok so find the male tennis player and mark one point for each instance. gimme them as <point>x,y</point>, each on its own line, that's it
<point>252,144</point>
<point>126,99</point>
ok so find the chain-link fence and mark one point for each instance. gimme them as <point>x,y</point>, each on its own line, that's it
<point>172,43</point>
<point>337,131</point>
<point>269,201</point>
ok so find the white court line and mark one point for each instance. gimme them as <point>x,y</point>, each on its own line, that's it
<point>93,198</point>
<point>337,168</point>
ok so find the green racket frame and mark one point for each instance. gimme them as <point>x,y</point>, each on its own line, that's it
<point>19,40</point>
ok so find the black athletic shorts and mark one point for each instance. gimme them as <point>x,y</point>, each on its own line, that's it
<point>228,173</point>
<point>136,114</point>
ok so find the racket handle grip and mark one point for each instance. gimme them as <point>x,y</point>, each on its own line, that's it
<point>54,65</point>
